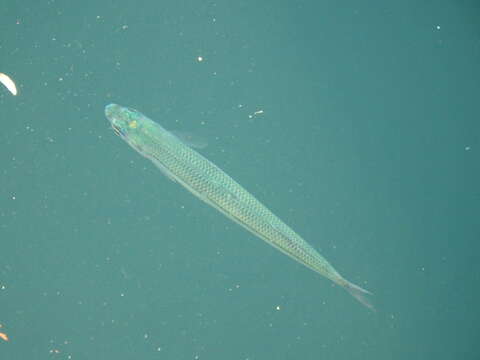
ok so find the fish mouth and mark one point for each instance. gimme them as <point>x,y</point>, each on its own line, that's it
<point>110,110</point>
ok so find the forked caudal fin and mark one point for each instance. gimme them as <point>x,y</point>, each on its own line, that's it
<point>360,294</point>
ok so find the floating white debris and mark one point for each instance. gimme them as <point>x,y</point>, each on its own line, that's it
<point>258,112</point>
<point>9,84</point>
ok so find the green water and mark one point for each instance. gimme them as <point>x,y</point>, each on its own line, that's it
<point>356,123</point>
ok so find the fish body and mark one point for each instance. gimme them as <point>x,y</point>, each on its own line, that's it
<point>207,181</point>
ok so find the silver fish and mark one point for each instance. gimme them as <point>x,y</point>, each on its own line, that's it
<point>204,179</point>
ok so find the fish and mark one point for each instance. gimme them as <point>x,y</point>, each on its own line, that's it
<point>182,164</point>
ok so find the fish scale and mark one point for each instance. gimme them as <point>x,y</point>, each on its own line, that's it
<point>207,181</point>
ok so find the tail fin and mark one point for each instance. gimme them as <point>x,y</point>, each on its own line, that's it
<point>360,294</point>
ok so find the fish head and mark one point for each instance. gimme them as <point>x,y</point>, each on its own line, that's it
<point>124,121</point>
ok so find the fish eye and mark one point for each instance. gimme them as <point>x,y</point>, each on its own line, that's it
<point>133,124</point>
